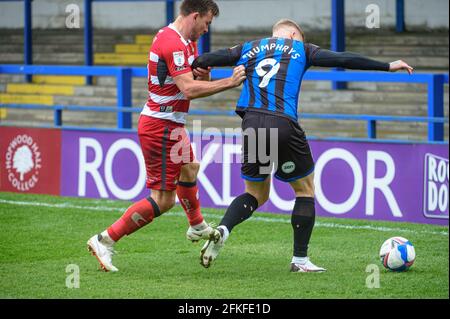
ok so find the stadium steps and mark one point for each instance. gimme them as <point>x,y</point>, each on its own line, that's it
<point>135,54</point>
<point>314,101</point>
<point>120,59</point>
<point>347,102</point>
<point>26,99</point>
<point>52,48</point>
<point>425,51</point>
<point>313,128</point>
<point>69,37</point>
<point>42,89</point>
<point>132,48</point>
<point>32,93</point>
<point>59,79</point>
<point>420,49</point>
<point>44,79</point>
<point>309,94</point>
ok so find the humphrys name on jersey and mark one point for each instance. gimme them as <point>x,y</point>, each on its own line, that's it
<point>272,47</point>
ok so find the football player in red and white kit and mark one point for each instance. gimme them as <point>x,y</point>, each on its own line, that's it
<point>171,167</point>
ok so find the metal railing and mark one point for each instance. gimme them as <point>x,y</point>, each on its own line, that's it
<point>370,119</point>
<point>434,82</point>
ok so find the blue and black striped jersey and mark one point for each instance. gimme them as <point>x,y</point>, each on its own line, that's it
<point>275,69</point>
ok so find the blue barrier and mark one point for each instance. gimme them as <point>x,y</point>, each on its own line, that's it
<point>27,34</point>
<point>400,16</point>
<point>338,34</point>
<point>123,76</point>
<point>370,119</point>
<point>88,47</point>
<point>435,83</point>
<point>28,37</point>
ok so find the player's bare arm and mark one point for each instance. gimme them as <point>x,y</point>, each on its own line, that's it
<point>193,89</point>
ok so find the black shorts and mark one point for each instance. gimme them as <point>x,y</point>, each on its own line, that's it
<point>287,151</point>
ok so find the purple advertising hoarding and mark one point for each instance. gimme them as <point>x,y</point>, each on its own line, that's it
<point>372,181</point>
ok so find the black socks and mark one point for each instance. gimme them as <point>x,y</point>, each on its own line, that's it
<point>302,220</point>
<point>239,210</point>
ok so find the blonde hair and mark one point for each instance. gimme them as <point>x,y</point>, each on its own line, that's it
<point>288,23</point>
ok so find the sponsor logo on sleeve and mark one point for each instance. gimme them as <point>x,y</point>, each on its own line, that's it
<point>178,58</point>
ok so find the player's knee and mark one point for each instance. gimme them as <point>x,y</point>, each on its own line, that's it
<point>165,206</point>
<point>189,172</point>
<point>165,202</point>
<point>304,187</point>
<point>169,205</point>
<point>306,192</point>
<point>195,167</point>
<point>262,198</point>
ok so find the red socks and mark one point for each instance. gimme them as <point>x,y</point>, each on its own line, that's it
<point>142,213</point>
<point>188,195</point>
<point>136,216</point>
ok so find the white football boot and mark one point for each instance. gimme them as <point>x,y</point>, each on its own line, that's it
<point>308,266</point>
<point>202,231</point>
<point>102,247</point>
<point>211,248</point>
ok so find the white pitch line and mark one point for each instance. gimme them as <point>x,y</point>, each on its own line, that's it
<point>62,205</point>
<point>254,218</point>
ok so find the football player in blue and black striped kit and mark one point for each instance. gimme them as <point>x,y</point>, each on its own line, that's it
<point>274,68</point>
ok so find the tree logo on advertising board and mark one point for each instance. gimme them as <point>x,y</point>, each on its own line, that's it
<point>23,162</point>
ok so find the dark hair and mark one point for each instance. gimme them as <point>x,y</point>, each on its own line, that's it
<point>200,6</point>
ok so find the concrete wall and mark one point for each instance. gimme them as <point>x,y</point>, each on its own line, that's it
<point>235,15</point>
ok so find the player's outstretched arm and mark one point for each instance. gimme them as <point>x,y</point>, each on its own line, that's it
<point>349,60</point>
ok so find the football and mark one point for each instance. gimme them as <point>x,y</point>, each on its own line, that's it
<point>397,254</point>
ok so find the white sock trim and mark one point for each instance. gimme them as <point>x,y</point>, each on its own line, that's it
<point>200,226</point>
<point>226,232</point>
<point>107,238</point>
<point>299,260</point>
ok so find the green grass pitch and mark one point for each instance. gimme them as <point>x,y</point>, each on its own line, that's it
<point>41,235</point>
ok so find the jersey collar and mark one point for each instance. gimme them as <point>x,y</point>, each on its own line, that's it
<point>171,26</point>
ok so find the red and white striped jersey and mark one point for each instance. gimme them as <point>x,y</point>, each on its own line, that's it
<point>167,101</point>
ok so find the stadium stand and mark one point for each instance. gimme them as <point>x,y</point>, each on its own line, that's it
<point>426,51</point>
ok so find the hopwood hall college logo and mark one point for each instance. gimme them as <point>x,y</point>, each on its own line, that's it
<point>23,162</point>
